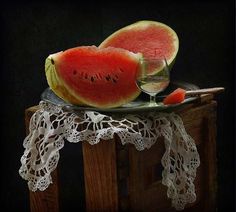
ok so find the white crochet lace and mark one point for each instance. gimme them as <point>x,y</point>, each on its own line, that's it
<point>51,125</point>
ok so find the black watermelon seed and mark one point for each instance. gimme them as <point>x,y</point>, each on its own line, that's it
<point>108,78</point>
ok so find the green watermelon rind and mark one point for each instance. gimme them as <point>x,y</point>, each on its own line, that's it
<point>146,23</point>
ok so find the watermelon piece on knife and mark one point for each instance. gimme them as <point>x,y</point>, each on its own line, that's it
<point>177,96</point>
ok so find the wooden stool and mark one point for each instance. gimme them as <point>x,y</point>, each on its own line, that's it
<point>119,177</point>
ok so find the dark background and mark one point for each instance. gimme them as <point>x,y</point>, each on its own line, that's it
<point>33,31</point>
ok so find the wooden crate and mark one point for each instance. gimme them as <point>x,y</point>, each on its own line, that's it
<point>120,178</point>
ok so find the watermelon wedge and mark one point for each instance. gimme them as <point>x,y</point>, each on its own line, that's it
<point>177,96</point>
<point>152,39</point>
<point>102,78</point>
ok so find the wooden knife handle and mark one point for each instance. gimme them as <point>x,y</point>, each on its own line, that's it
<point>205,91</point>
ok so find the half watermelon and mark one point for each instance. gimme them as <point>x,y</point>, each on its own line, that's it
<point>102,78</point>
<point>152,39</point>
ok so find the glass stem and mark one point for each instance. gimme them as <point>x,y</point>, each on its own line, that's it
<point>152,100</point>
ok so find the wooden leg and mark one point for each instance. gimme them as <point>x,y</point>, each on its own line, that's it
<point>48,200</point>
<point>211,166</point>
<point>100,175</point>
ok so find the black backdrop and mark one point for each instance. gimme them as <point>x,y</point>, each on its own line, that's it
<point>33,31</point>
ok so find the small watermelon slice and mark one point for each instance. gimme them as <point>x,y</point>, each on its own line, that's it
<point>177,96</point>
<point>153,39</point>
<point>102,78</point>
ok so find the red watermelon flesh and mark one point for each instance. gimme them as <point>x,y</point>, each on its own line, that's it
<point>177,96</point>
<point>102,78</point>
<point>153,39</point>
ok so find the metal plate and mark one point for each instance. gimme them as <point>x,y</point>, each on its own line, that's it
<point>138,105</point>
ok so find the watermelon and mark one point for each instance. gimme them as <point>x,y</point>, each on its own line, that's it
<point>153,39</point>
<point>102,78</point>
<point>177,96</point>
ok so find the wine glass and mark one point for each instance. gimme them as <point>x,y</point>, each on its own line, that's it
<point>153,77</point>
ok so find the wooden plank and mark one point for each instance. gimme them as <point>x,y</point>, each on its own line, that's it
<point>100,174</point>
<point>48,200</point>
<point>210,161</point>
<point>190,115</point>
<point>146,194</point>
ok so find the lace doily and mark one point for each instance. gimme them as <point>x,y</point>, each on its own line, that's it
<point>50,126</point>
